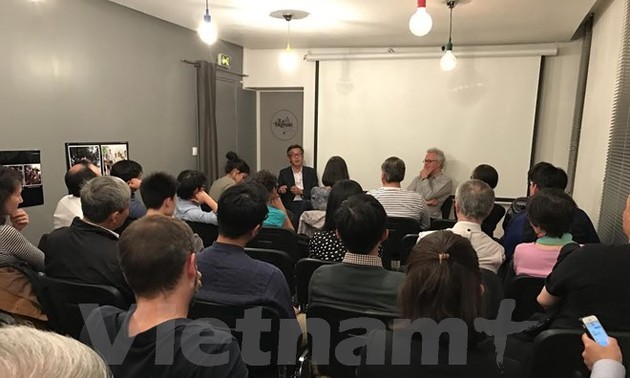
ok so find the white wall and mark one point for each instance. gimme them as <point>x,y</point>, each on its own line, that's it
<point>263,71</point>
<point>600,90</point>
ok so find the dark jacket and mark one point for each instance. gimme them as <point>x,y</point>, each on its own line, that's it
<point>309,178</point>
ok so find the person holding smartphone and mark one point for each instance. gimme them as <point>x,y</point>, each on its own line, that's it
<point>603,361</point>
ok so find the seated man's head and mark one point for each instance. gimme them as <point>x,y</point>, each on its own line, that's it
<point>544,175</point>
<point>443,280</point>
<point>105,201</point>
<point>487,174</point>
<point>158,193</point>
<point>159,244</point>
<point>78,175</point>
<point>242,210</point>
<point>267,180</point>
<point>129,171</point>
<point>360,223</point>
<point>434,160</point>
<point>551,212</point>
<point>393,170</point>
<point>190,183</point>
<point>474,200</point>
<point>29,352</point>
<point>295,153</point>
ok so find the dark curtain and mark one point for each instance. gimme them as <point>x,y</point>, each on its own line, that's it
<point>207,121</point>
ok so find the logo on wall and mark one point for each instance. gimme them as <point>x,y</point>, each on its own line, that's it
<point>284,125</point>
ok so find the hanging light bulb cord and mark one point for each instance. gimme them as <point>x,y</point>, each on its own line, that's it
<point>206,17</point>
<point>288,34</point>
<point>451,5</point>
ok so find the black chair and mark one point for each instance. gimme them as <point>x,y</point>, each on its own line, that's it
<point>398,227</point>
<point>441,224</point>
<point>558,353</point>
<point>42,242</point>
<point>304,270</point>
<point>207,232</point>
<point>447,206</point>
<point>60,300</point>
<point>524,290</point>
<point>406,245</point>
<point>228,315</point>
<point>279,259</point>
<point>280,239</point>
<point>493,294</point>
<point>333,315</point>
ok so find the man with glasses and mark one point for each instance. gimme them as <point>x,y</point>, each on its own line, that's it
<point>431,183</point>
<point>295,183</point>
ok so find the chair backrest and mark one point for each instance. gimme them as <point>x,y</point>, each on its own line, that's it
<point>61,298</point>
<point>279,239</point>
<point>447,206</point>
<point>304,270</point>
<point>398,227</point>
<point>493,294</point>
<point>525,290</point>
<point>441,224</point>
<point>406,245</point>
<point>229,314</point>
<point>207,232</point>
<point>279,259</point>
<point>333,316</point>
<point>558,353</point>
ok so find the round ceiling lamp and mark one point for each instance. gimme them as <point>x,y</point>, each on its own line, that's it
<point>288,59</point>
<point>421,22</point>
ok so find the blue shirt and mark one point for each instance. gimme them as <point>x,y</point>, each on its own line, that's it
<point>514,234</point>
<point>136,208</point>
<point>189,211</point>
<point>275,217</point>
<point>231,277</point>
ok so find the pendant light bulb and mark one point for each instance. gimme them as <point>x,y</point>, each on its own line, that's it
<point>421,22</point>
<point>448,61</point>
<point>288,59</point>
<point>207,30</point>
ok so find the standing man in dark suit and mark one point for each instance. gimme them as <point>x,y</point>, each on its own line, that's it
<point>295,183</point>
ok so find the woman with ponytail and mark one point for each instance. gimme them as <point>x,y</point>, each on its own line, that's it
<point>443,285</point>
<point>236,170</point>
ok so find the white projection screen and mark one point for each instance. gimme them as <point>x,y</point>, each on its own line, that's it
<point>481,113</point>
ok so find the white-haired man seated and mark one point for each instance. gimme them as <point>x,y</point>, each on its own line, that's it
<point>433,185</point>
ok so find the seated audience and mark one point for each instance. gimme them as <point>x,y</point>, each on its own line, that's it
<point>277,215</point>
<point>69,207</point>
<point>236,170</point>
<point>545,175</point>
<point>473,202</point>
<point>28,352</point>
<point>360,282</point>
<point>433,185</point>
<point>191,195</point>
<point>229,275</point>
<point>550,212</point>
<point>17,296</point>
<point>603,361</point>
<point>591,280</point>
<point>519,230</point>
<point>295,183</point>
<point>158,338</point>
<point>87,250</point>
<point>443,281</point>
<point>335,170</point>
<point>490,176</point>
<point>399,202</point>
<point>326,245</point>
<point>131,172</point>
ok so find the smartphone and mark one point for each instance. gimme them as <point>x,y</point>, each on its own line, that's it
<point>595,329</point>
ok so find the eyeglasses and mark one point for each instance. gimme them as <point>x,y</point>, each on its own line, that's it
<point>294,155</point>
<point>427,161</point>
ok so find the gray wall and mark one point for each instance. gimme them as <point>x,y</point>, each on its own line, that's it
<point>92,70</point>
<point>274,140</point>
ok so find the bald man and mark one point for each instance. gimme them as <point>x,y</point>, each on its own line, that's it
<point>69,206</point>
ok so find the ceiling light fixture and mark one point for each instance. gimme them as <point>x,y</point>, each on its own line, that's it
<point>288,58</point>
<point>207,30</point>
<point>421,22</point>
<point>449,61</point>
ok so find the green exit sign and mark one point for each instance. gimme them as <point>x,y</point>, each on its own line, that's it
<point>224,60</point>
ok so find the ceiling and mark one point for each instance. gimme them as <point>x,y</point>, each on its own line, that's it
<point>376,23</point>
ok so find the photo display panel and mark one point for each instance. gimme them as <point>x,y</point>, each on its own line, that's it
<point>29,165</point>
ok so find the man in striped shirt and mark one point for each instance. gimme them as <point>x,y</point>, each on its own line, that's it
<point>399,202</point>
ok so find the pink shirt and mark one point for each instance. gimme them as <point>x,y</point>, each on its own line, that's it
<point>532,260</point>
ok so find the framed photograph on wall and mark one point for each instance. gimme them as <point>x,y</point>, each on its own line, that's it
<point>28,164</point>
<point>101,154</point>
